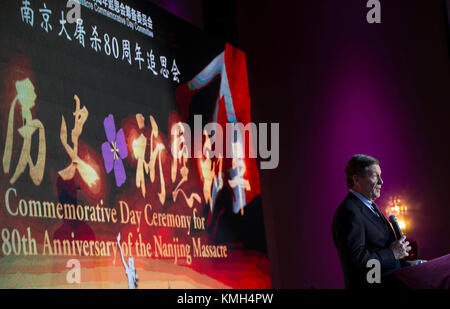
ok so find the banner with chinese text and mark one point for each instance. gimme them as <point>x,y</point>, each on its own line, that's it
<point>99,186</point>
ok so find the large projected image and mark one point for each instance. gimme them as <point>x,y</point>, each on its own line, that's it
<point>113,115</point>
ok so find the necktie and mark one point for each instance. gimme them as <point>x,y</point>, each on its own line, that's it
<point>383,218</point>
<point>374,209</point>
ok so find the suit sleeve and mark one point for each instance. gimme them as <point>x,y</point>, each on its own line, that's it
<point>350,237</point>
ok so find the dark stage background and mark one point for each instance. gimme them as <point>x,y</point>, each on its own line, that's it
<point>339,86</point>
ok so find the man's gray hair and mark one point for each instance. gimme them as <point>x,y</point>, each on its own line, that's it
<point>358,165</point>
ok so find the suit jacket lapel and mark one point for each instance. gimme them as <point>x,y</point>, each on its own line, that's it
<point>373,217</point>
<point>367,212</point>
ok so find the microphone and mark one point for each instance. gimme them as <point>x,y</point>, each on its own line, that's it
<point>395,226</point>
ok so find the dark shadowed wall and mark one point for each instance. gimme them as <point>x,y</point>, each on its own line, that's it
<point>339,86</point>
<point>189,10</point>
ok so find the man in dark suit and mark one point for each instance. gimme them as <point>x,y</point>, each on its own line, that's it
<point>360,231</point>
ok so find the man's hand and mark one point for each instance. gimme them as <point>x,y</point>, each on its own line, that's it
<point>400,248</point>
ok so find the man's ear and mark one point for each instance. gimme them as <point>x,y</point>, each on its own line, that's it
<point>355,180</point>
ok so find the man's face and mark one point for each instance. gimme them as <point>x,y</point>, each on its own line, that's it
<point>370,183</point>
